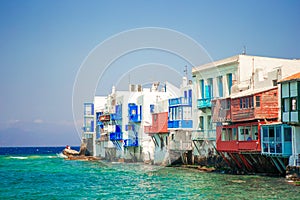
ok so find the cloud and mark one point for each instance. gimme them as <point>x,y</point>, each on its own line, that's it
<point>38,121</point>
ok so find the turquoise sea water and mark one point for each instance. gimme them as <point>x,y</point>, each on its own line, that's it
<point>48,176</point>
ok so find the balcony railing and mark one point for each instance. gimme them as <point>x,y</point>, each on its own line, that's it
<point>116,136</point>
<point>204,134</point>
<point>204,103</point>
<point>179,101</point>
<point>131,143</point>
<point>180,124</point>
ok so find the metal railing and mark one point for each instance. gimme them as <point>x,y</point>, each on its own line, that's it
<point>204,134</point>
<point>204,103</point>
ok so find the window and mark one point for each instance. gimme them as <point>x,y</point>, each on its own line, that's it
<point>229,82</point>
<point>185,94</point>
<point>286,105</point>
<point>241,133</point>
<point>241,103</point>
<point>211,87</point>
<point>190,96</point>
<point>179,113</point>
<point>287,134</point>
<point>201,82</point>
<point>274,82</point>
<point>229,132</point>
<point>228,104</point>
<point>209,124</point>
<point>278,134</point>
<point>271,134</point>
<point>245,133</point>
<point>257,101</point>
<point>151,108</point>
<point>254,130</point>
<point>220,85</point>
<point>234,135</point>
<point>265,134</point>
<point>226,134</point>
<point>201,122</point>
<point>246,102</point>
<point>251,102</point>
<point>223,136</point>
<point>293,104</point>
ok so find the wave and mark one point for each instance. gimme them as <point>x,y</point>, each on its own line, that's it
<point>61,155</point>
<point>32,157</point>
<point>19,157</point>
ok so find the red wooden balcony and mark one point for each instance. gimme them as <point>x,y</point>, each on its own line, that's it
<point>240,137</point>
<point>239,146</point>
<point>159,124</point>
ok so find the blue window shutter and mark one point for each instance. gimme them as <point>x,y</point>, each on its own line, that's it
<point>207,91</point>
<point>202,88</point>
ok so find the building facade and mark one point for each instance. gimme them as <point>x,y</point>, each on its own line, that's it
<point>244,96</point>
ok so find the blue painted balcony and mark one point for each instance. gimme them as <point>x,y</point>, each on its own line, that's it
<point>204,103</point>
<point>131,143</point>
<point>180,124</point>
<point>179,101</point>
<point>88,109</point>
<point>134,113</point>
<point>276,140</point>
<point>116,136</point>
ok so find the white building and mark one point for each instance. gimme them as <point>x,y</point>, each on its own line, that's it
<point>120,124</point>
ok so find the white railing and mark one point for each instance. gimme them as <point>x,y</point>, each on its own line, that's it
<point>204,135</point>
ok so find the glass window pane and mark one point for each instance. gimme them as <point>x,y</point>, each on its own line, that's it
<point>287,134</point>
<point>234,135</point>
<point>286,105</point>
<point>265,134</point>
<point>223,136</point>
<point>254,132</point>
<point>257,98</point>
<point>278,134</point>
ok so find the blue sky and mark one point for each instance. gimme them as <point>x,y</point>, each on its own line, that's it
<point>43,44</point>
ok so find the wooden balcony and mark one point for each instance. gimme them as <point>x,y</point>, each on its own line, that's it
<point>159,124</point>
<point>238,146</point>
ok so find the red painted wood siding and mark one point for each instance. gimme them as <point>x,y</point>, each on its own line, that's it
<point>268,107</point>
<point>159,124</point>
<point>236,145</point>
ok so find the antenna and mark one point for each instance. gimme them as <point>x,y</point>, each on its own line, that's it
<point>244,50</point>
<point>185,71</point>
